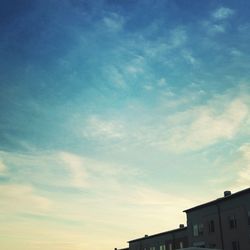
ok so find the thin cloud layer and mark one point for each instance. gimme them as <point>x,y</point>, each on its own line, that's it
<point>3,168</point>
<point>243,176</point>
<point>22,198</point>
<point>111,109</point>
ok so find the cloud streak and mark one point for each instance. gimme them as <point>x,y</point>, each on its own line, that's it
<point>75,165</point>
<point>206,127</point>
<point>22,198</point>
<point>3,168</point>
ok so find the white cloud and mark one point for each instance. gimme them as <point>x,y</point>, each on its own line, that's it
<point>132,69</point>
<point>162,82</point>
<point>113,22</point>
<point>22,198</point>
<point>116,76</point>
<point>243,176</point>
<point>235,52</point>
<point>204,126</point>
<point>148,87</point>
<point>219,20</point>
<point>3,168</point>
<point>178,37</point>
<point>98,128</point>
<point>156,49</point>
<point>188,56</point>
<point>75,164</point>
<point>136,65</point>
<point>216,28</point>
<point>222,13</point>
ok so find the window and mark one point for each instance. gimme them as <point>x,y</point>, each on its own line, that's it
<point>211,226</point>
<point>162,247</point>
<point>248,216</point>
<point>181,244</point>
<point>236,245</point>
<point>195,230</point>
<point>200,229</point>
<point>170,247</point>
<point>232,222</point>
<point>200,244</point>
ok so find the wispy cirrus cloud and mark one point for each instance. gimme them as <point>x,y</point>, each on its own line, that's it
<point>243,166</point>
<point>116,76</point>
<point>98,128</point>
<point>189,126</point>
<point>204,126</point>
<point>113,22</point>
<point>214,28</point>
<point>3,168</point>
<point>219,20</point>
<point>22,198</point>
<point>189,57</point>
<point>178,37</point>
<point>77,170</point>
<point>222,13</point>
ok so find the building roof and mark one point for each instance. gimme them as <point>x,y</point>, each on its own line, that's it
<point>159,234</point>
<point>214,202</point>
<point>198,248</point>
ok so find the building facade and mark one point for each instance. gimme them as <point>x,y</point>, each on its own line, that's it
<point>223,223</point>
<point>170,240</point>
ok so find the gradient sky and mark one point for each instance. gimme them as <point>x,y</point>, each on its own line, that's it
<point>116,115</point>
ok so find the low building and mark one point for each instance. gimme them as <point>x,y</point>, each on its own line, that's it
<point>169,240</point>
<point>223,223</point>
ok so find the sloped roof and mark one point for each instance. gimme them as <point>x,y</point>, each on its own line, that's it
<point>219,200</point>
<point>159,234</point>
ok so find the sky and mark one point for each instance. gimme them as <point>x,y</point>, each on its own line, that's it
<point>116,115</point>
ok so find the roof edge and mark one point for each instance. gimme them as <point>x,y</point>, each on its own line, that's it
<point>216,201</point>
<point>158,234</point>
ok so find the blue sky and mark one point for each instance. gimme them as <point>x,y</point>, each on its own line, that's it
<point>116,115</point>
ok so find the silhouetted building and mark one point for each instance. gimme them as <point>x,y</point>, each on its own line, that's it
<point>170,240</point>
<point>223,223</point>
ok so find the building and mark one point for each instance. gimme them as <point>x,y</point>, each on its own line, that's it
<point>170,240</point>
<point>223,223</point>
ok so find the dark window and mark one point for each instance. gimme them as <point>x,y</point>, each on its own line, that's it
<point>181,244</point>
<point>201,229</point>
<point>236,245</point>
<point>248,216</point>
<point>195,230</point>
<point>232,222</point>
<point>211,226</point>
<point>170,246</point>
